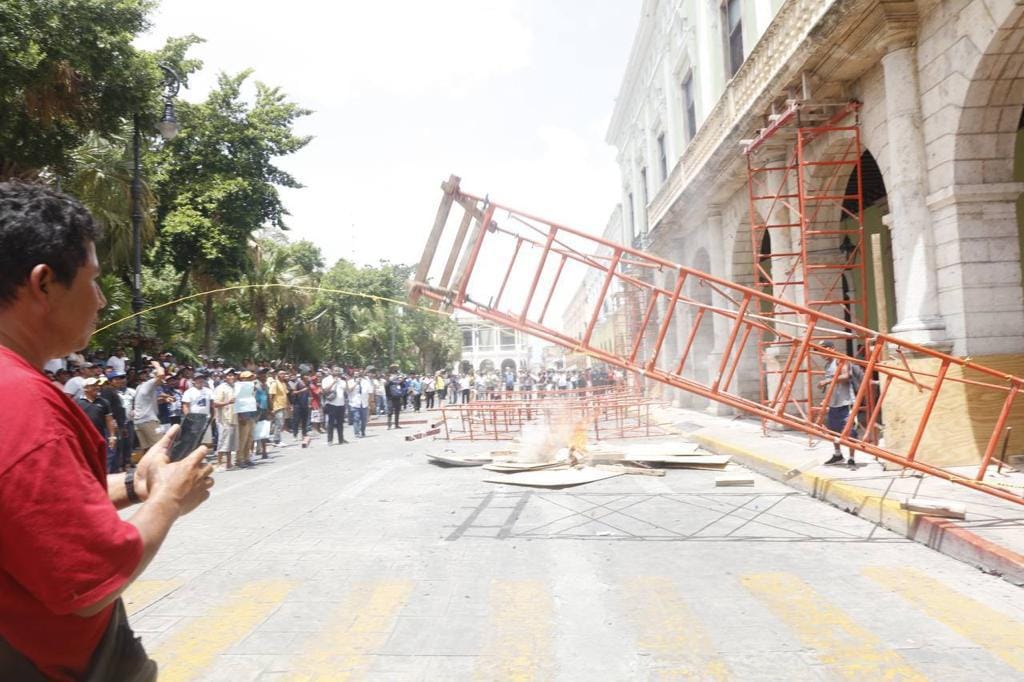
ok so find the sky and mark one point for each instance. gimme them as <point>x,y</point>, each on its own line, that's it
<point>514,96</point>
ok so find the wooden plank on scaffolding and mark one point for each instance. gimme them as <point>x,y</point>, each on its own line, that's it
<point>562,478</point>
<point>450,187</point>
<point>453,257</point>
<point>478,227</point>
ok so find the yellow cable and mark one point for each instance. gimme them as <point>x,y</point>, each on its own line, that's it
<point>405,304</point>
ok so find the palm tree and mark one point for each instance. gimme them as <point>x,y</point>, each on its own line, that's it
<point>102,181</point>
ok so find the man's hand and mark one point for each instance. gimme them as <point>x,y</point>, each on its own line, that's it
<point>185,484</point>
<point>156,469</point>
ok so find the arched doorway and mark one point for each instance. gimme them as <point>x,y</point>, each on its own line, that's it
<point>881,300</point>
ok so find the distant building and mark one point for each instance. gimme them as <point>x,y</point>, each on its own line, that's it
<point>487,346</point>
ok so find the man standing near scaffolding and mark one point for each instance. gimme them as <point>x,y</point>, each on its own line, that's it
<point>839,404</point>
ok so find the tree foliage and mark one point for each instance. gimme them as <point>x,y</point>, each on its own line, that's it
<point>218,179</point>
<point>68,69</point>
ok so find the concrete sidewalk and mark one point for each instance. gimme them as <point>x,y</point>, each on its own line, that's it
<point>990,538</point>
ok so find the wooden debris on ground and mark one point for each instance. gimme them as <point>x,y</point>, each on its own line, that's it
<point>555,478</point>
<point>514,467</point>
<point>638,470</point>
<point>452,461</point>
<point>922,505</point>
<point>734,480</point>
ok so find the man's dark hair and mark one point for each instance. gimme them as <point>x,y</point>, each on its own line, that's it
<point>40,226</point>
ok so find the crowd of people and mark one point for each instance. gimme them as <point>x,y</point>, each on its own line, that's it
<point>256,404</point>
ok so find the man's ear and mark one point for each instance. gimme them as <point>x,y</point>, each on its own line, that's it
<point>41,281</point>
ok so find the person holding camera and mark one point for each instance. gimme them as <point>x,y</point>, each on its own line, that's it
<point>67,555</point>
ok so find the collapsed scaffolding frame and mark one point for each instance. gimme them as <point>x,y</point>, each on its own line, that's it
<point>604,412</point>
<point>539,253</point>
<point>806,205</point>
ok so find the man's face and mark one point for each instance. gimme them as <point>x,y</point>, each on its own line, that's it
<point>118,382</point>
<point>230,379</point>
<point>75,309</point>
<point>91,391</point>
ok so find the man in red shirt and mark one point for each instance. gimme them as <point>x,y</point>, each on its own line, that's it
<point>65,554</point>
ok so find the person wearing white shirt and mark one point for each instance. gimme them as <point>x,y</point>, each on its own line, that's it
<point>334,396</point>
<point>359,391</point>
<point>116,362</point>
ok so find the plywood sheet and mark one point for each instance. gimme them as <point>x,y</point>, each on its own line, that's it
<point>561,478</point>
<point>962,419</point>
<point>523,466</point>
<point>456,461</point>
<point>693,461</point>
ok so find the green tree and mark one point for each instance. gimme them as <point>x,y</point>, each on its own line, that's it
<point>218,182</point>
<point>68,69</point>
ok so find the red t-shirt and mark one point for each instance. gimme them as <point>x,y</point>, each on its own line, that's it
<point>62,544</point>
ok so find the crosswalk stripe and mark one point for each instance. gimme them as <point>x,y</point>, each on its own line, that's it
<point>186,653</point>
<point>520,635</point>
<point>142,593</point>
<point>988,628</point>
<point>668,630</point>
<point>359,627</point>
<point>848,649</point>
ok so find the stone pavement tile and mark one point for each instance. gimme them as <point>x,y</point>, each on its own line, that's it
<point>411,636</point>
<point>470,597</point>
<point>299,617</point>
<point>462,636</point>
<point>271,642</point>
<point>443,668</point>
<point>429,598</point>
<point>148,623</point>
<point>955,663</point>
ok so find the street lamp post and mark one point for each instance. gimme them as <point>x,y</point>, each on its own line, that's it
<point>168,128</point>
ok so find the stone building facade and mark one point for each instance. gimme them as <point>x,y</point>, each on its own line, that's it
<point>941,90</point>
<point>488,346</point>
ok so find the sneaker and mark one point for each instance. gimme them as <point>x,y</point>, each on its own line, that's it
<point>835,459</point>
<point>852,464</point>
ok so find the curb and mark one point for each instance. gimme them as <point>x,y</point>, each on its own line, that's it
<point>939,534</point>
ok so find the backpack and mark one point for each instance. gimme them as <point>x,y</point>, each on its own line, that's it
<point>394,388</point>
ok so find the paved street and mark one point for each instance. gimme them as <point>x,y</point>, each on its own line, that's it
<point>363,561</point>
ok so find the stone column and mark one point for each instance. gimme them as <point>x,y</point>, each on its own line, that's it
<point>917,306</point>
<point>719,257</point>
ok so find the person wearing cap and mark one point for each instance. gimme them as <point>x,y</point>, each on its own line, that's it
<point>245,416</point>
<point>67,555</point>
<point>277,388</point>
<point>840,400</point>
<point>75,385</point>
<point>109,393</point>
<point>101,415</point>
<point>335,400</point>
<point>224,404</point>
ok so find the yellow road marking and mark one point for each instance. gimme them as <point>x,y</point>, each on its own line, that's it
<point>361,626</point>
<point>849,650</point>
<point>185,654</point>
<point>669,630</point>
<point>142,593</point>
<point>994,631</point>
<point>520,637</point>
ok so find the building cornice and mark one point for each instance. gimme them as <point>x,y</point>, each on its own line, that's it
<point>633,80</point>
<point>799,32</point>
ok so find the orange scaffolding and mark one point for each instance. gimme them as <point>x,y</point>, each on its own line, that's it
<point>509,267</point>
<point>807,234</point>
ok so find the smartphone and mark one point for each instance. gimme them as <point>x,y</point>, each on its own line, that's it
<point>193,426</point>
